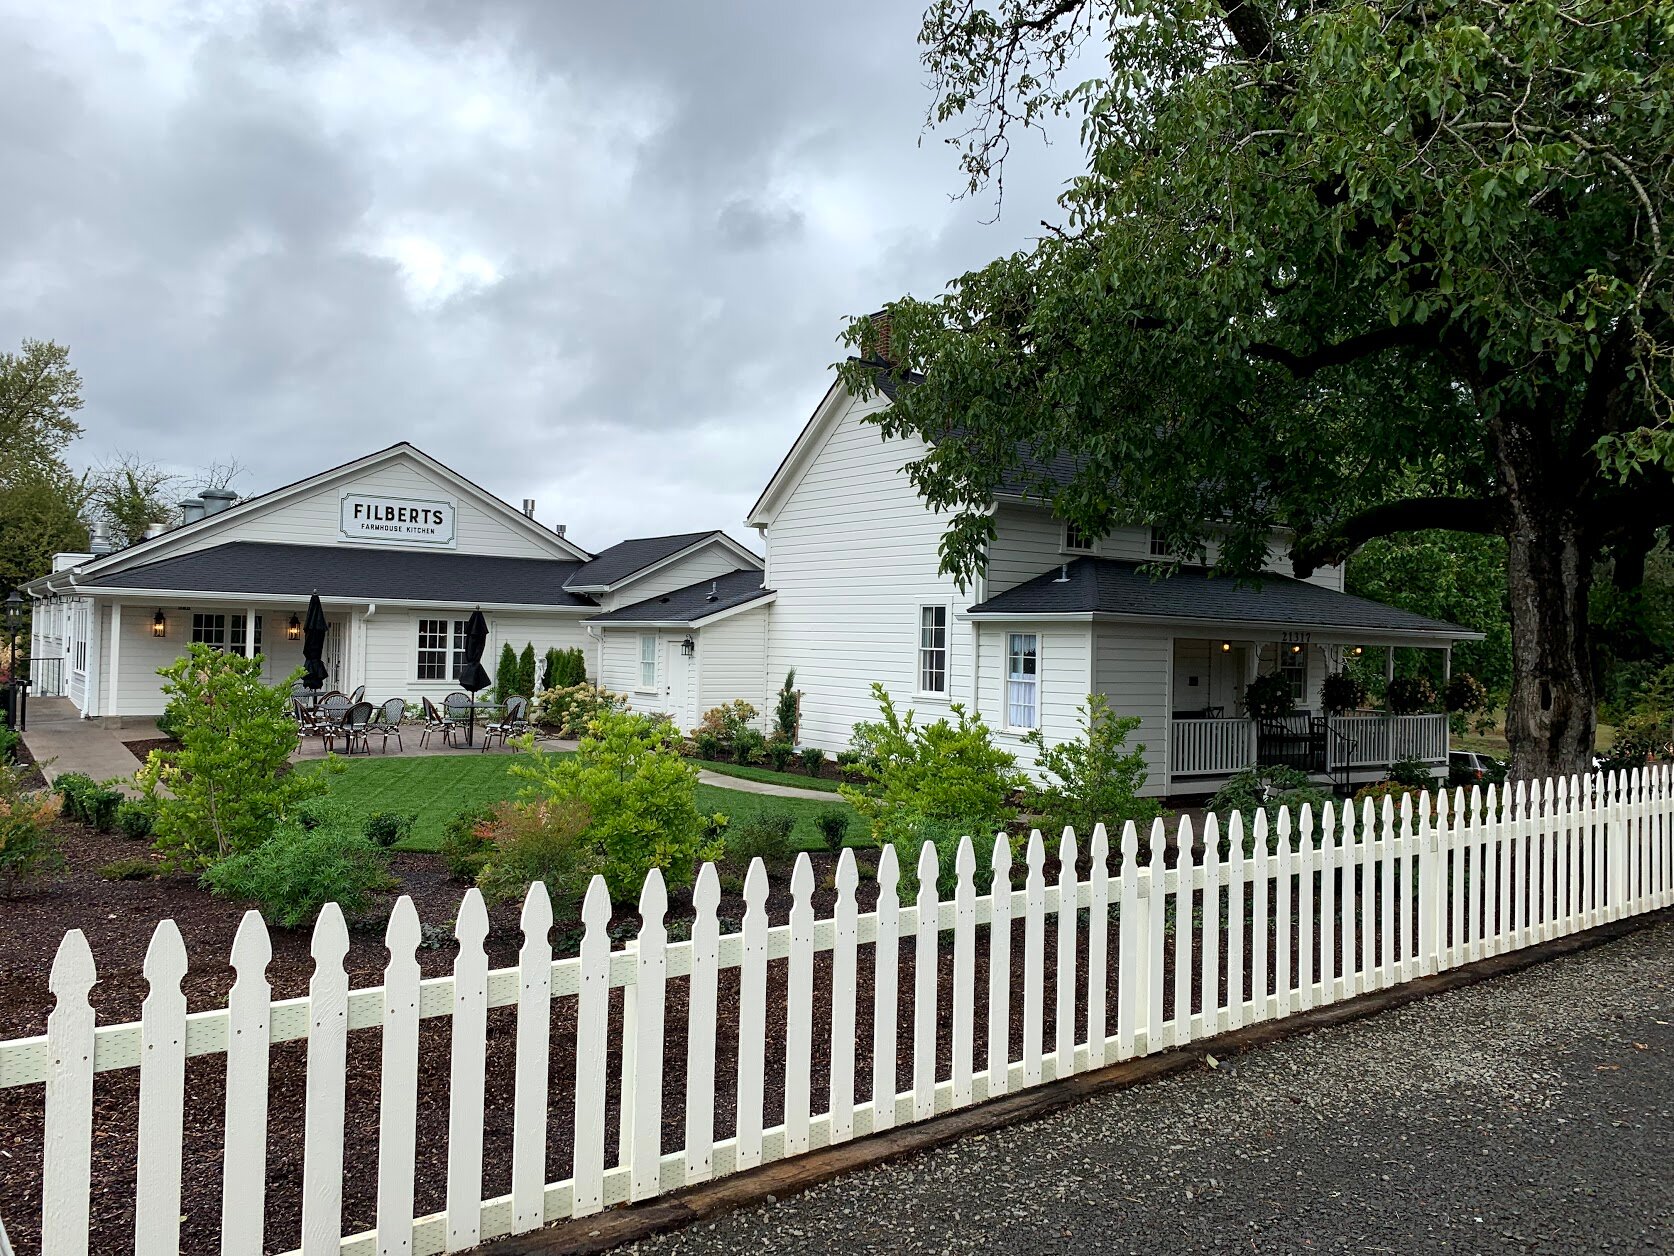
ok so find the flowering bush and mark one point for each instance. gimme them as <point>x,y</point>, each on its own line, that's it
<point>569,709</point>
<point>729,722</point>
<point>27,845</point>
<point>539,841</point>
<point>1342,691</point>
<point>1269,697</point>
<point>1465,693</point>
<point>1408,695</point>
<point>1095,778</point>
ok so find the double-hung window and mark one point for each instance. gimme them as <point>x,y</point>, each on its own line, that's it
<point>648,662</point>
<point>932,649</point>
<point>236,639</point>
<point>1160,548</point>
<point>1076,541</point>
<point>209,630</point>
<point>1022,680</point>
<point>1293,666</point>
<point>433,640</point>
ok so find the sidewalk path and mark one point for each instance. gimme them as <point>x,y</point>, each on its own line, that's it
<point>62,741</point>
<point>722,781</point>
<point>1534,1113</point>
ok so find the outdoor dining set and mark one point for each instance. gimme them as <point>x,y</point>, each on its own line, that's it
<point>347,718</point>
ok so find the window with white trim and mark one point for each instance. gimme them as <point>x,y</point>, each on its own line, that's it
<point>1022,680</point>
<point>236,635</point>
<point>1076,541</point>
<point>647,662</point>
<point>1160,548</point>
<point>209,630</point>
<point>441,649</point>
<point>1293,666</point>
<point>932,649</point>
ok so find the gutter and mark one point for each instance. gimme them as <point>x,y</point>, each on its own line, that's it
<point>1219,625</point>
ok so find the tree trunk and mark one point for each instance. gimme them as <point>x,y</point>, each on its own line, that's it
<point>1550,719</point>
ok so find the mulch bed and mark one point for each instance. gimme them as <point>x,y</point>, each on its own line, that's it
<point>145,745</point>
<point>118,917</point>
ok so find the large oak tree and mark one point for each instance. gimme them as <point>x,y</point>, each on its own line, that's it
<point>1344,267</point>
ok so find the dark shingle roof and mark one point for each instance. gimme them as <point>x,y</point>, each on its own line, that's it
<point>626,557</point>
<point>349,571</point>
<point>693,602</point>
<point>1112,586</point>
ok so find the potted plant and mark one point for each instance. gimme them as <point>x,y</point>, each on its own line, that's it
<point>1408,695</point>
<point>1342,691</point>
<point>1269,697</point>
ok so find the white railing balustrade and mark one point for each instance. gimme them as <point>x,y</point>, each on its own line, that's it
<point>1211,747</point>
<point>1314,909</point>
<point>1220,747</point>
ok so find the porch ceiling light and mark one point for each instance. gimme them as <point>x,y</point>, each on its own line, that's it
<point>293,630</point>
<point>1296,649</point>
<point>688,647</point>
<point>1226,647</point>
<point>1358,651</point>
<point>159,624</point>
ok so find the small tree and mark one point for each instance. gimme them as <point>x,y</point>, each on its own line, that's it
<point>229,785</point>
<point>1094,779</point>
<point>571,668</point>
<point>526,671</point>
<point>787,709</point>
<point>549,667</point>
<point>505,674</point>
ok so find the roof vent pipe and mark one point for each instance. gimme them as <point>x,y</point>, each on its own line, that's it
<point>1063,574</point>
<point>529,507</point>
<point>559,528</point>
<point>215,500</point>
<point>713,595</point>
<point>98,540</point>
<point>191,509</point>
<point>155,530</point>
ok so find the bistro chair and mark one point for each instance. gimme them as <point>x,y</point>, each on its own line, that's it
<point>357,722</point>
<point>387,723</point>
<point>359,695</point>
<point>456,710</point>
<point>514,723</point>
<point>434,722</point>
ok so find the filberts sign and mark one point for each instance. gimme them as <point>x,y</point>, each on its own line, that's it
<point>401,520</point>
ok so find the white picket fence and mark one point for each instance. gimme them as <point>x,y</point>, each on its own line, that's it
<point>1330,906</point>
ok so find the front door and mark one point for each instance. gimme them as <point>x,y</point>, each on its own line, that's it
<point>333,654</point>
<point>676,685</point>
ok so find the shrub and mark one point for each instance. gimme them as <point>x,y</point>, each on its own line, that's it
<point>137,868</point>
<point>640,792</point>
<point>1391,789</point>
<point>1411,774</point>
<point>1269,697</point>
<point>549,669</point>
<point>526,671</point>
<point>787,709</point>
<point>28,847</point>
<point>1465,693</point>
<point>833,824</point>
<point>298,870</point>
<point>570,669</point>
<point>1094,778</point>
<point>230,784</point>
<point>87,800</point>
<point>748,745</point>
<point>505,673</point>
<point>467,841</point>
<point>766,837</point>
<point>780,754</point>
<point>1342,691</point>
<point>848,760</point>
<point>1408,695</point>
<point>543,842</point>
<point>386,828</point>
<point>134,819</point>
<point>729,722</point>
<point>10,740</point>
<point>568,710</point>
<point>1265,788</point>
<point>813,760</point>
<point>934,782</point>
<point>706,744</point>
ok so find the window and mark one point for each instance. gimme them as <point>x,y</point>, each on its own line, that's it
<point>433,649</point>
<point>1160,547</point>
<point>1293,666</point>
<point>458,663</point>
<point>209,630</point>
<point>237,638</point>
<point>1076,541</point>
<point>1022,680</point>
<point>648,662</point>
<point>932,649</point>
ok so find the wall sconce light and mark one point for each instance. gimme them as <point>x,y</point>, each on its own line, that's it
<point>293,630</point>
<point>159,625</point>
<point>1358,651</point>
<point>688,647</point>
<point>1226,647</point>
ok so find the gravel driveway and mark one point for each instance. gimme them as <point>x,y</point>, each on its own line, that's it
<point>1534,1113</point>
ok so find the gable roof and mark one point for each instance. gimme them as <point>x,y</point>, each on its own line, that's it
<point>1113,587</point>
<point>626,559</point>
<point>362,573</point>
<point>693,604</point>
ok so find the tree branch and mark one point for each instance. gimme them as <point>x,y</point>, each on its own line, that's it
<point>1327,548</point>
<point>1352,349</point>
<point>1250,28</point>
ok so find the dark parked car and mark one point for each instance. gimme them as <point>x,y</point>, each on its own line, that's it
<point>1469,767</point>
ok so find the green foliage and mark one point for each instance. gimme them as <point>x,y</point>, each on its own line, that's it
<point>386,828</point>
<point>89,801</point>
<point>748,745</point>
<point>766,836</point>
<point>1646,730</point>
<point>1342,691</point>
<point>787,709</point>
<point>706,744</point>
<point>230,785</point>
<point>135,818</point>
<point>506,677</point>
<point>640,792</point>
<point>129,494</point>
<point>1465,693</point>
<point>467,841</point>
<point>833,824</point>
<point>40,498</point>
<point>1094,778</point>
<point>561,669</point>
<point>526,671</point>
<point>729,721</point>
<point>1266,788</point>
<point>544,842</point>
<point>1411,773</point>
<point>569,709</point>
<point>298,870</point>
<point>813,760</point>
<point>1408,695</point>
<point>931,782</point>
<point>1269,697</point>
<point>780,754</point>
<point>848,760</point>
<point>135,868</point>
<point>28,847</point>
<point>10,740</point>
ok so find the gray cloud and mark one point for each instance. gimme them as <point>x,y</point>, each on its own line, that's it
<point>594,254</point>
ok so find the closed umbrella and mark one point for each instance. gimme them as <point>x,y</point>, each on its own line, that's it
<point>472,675</point>
<point>314,629</point>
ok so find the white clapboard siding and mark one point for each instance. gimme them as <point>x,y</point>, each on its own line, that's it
<point>1329,905</point>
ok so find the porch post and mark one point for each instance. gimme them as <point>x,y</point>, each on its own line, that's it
<point>1447,664</point>
<point>115,657</point>
<point>1252,668</point>
<point>249,632</point>
<point>1388,663</point>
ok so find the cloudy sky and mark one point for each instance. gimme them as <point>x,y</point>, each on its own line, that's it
<point>594,254</point>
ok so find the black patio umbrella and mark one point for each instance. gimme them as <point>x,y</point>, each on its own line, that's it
<point>472,675</point>
<point>314,629</point>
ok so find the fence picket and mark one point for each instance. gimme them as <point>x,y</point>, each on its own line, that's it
<point>1063,1044</point>
<point>1034,959</point>
<point>1387,839</point>
<point>650,995</point>
<point>1306,930</point>
<point>534,1036</point>
<point>1404,968</point>
<point>701,1001</point>
<point>592,1020</point>
<point>1282,907</point>
<point>398,1081</point>
<point>67,1158</point>
<point>752,1018</point>
<point>1236,870</point>
<point>1131,960</point>
<point>466,1074</point>
<point>1209,938</point>
<point>1155,913</point>
<point>999,970</point>
<point>924,985</point>
<point>162,1104</point>
<point>1184,874</point>
<point>328,1044</point>
<point>886,963</point>
<point>1367,897</point>
<point>964,969</point>
<point>1330,979</point>
<point>1259,919</point>
<point>845,920</point>
<point>1098,944</point>
<point>799,1005</point>
<point>1519,882</point>
<point>244,1155</point>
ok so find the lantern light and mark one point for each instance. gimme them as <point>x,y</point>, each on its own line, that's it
<point>293,630</point>
<point>159,625</point>
<point>688,647</point>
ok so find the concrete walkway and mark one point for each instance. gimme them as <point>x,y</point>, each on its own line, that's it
<point>1529,1114</point>
<point>772,788</point>
<point>61,741</point>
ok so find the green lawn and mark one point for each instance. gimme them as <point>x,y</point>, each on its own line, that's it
<point>438,787</point>
<point>749,772</point>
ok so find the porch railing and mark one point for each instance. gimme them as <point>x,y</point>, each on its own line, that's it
<point>1220,747</point>
<point>1211,747</point>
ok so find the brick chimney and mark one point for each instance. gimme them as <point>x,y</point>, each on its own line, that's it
<point>880,335</point>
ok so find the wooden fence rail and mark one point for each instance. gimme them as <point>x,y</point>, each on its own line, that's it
<point>1328,905</point>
